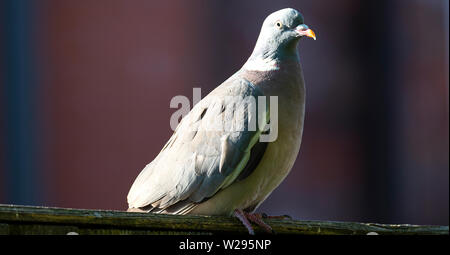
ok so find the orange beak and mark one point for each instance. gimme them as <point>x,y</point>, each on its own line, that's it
<point>310,34</point>
<point>304,30</point>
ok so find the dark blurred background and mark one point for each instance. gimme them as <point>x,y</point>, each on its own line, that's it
<point>86,85</point>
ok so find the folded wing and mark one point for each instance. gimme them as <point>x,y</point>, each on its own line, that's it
<point>209,149</point>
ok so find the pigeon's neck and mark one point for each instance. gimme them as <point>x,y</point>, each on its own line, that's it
<point>266,57</point>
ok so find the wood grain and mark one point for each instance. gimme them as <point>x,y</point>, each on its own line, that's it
<point>15,219</point>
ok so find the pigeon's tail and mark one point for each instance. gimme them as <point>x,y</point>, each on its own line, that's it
<point>180,208</point>
<point>137,210</point>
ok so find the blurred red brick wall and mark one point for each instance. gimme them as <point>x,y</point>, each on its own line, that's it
<point>112,68</point>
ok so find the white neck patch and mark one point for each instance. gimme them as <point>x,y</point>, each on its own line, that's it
<point>262,65</point>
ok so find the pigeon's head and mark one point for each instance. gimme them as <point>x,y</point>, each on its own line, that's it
<point>281,32</point>
<point>286,25</point>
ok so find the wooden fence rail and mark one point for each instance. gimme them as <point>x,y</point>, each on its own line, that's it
<point>16,219</point>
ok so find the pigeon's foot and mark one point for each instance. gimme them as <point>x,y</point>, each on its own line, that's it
<point>256,218</point>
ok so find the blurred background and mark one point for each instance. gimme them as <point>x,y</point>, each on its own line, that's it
<point>85,88</point>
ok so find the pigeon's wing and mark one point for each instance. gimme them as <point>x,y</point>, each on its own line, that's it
<point>208,151</point>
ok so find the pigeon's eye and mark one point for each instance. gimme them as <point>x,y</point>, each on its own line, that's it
<point>279,24</point>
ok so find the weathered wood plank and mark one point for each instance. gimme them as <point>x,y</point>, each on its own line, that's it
<point>46,220</point>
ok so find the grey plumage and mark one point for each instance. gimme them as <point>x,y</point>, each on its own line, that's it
<point>214,172</point>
